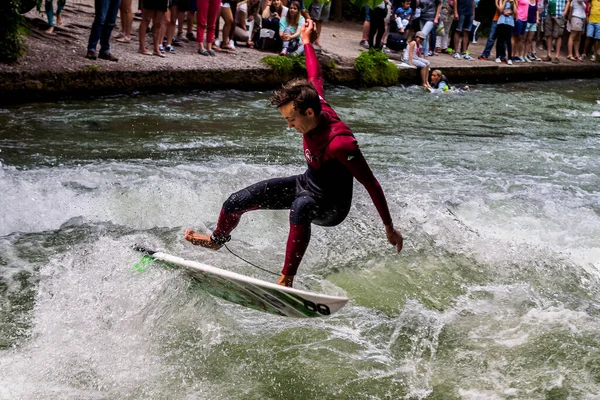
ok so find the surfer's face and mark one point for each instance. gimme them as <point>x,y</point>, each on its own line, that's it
<point>301,123</point>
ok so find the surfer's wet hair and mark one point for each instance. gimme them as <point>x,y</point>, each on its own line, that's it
<point>300,92</point>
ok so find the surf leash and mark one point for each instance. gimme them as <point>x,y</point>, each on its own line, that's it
<point>246,261</point>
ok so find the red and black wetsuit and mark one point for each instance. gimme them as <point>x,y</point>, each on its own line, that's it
<point>323,194</point>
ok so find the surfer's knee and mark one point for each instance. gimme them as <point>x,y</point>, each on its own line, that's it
<point>302,210</point>
<point>238,201</point>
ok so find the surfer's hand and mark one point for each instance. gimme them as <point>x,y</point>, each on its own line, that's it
<point>394,237</point>
<point>286,280</point>
<point>308,32</point>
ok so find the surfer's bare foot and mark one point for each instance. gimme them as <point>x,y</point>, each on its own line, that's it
<point>286,280</point>
<point>199,239</point>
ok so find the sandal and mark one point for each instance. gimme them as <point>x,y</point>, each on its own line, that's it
<point>203,52</point>
<point>211,53</point>
<point>571,58</point>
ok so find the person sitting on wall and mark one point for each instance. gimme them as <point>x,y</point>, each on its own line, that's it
<point>289,30</point>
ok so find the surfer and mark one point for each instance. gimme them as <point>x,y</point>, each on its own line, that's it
<point>323,194</point>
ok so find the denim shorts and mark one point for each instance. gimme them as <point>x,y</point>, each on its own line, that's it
<point>465,22</point>
<point>593,30</point>
<point>531,27</point>
<point>519,28</point>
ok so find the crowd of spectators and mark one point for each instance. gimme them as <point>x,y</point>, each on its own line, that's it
<point>419,29</point>
<point>266,24</point>
<point>416,29</point>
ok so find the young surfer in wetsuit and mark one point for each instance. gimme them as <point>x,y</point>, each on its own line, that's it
<point>323,194</point>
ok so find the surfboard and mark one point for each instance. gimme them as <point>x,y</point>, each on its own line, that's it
<point>252,292</point>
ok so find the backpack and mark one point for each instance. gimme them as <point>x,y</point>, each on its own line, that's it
<point>396,41</point>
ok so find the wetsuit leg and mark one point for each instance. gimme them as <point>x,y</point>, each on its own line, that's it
<point>302,213</point>
<point>271,194</point>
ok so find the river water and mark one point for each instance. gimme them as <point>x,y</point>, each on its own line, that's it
<point>495,296</point>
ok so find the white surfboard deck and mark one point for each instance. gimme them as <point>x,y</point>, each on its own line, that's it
<point>254,293</point>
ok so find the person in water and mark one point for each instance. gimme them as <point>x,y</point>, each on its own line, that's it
<point>323,194</point>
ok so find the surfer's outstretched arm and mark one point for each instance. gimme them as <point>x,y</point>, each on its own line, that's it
<point>312,63</point>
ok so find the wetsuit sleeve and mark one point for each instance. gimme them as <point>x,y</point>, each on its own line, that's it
<point>314,69</point>
<point>352,158</point>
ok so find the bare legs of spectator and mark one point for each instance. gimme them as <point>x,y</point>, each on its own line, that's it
<point>126,21</point>
<point>319,24</point>
<point>172,26</point>
<point>156,18</point>
<point>465,40</point>
<point>557,43</point>
<point>573,45</point>
<point>227,16</point>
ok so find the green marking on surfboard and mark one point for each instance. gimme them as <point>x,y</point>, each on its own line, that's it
<point>143,264</point>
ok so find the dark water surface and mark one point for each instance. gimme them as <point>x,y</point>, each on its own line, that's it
<point>496,295</point>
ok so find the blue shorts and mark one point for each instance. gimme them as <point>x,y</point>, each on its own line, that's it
<point>367,13</point>
<point>520,27</point>
<point>465,22</point>
<point>593,30</point>
<point>531,27</point>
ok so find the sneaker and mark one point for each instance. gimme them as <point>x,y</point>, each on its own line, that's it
<point>217,43</point>
<point>522,59</point>
<point>547,58</point>
<point>527,59</point>
<point>176,42</point>
<point>364,43</point>
<point>161,48</point>
<point>468,57</point>
<point>517,59</point>
<point>509,62</point>
<point>498,60</point>
<point>232,44</point>
<point>536,58</point>
<point>169,49</point>
<point>208,242</point>
<point>91,55</point>
<point>457,56</point>
<point>482,58</point>
<point>190,36</point>
<point>593,58</point>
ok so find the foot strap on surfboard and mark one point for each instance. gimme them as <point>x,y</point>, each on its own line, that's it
<point>143,250</point>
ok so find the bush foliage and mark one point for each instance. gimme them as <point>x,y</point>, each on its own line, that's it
<point>374,69</point>
<point>10,36</point>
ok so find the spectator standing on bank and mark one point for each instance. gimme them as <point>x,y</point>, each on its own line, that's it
<point>506,23</point>
<point>126,21</point>
<point>430,16</point>
<point>319,13</point>
<point>593,28</point>
<point>444,25</point>
<point>520,30</point>
<point>577,20</point>
<point>533,19</point>
<point>206,21</point>
<point>555,27</point>
<point>464,11</point>
<point>377,29</point>
<point>152,11</point>
<point>491,39</point>
<point>102,27</point>
<point>49,6</point>
<point>364,42</point>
